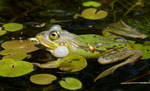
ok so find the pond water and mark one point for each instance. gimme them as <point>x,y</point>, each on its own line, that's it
<point>39,15</point>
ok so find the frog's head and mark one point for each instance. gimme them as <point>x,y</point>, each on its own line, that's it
<point>55,39</point>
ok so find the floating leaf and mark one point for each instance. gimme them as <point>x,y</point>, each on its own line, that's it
<point>15,54</point>
<point>11,68</point>
<point>137,46</point>
<point>91,3</point>
<point>144,49</point>
<point>91,13</point>
<point>2,32</point>
<point>42,79</point>
<point>73,62</point>
<point>70,83</point>
<point>25,45</point>
<point>146,56</point>
<point>13,27</point>
<point>131,41</point>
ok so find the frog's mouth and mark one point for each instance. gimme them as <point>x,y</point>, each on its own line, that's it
<point>45,42</point>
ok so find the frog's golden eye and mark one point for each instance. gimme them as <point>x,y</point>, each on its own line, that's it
<point>53,35</point>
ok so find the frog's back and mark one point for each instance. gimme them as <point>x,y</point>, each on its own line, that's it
<point>101,42</point>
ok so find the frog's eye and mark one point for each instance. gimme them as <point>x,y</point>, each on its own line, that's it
<point>53,35</point>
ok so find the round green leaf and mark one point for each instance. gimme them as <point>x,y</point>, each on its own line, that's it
<point>42,79</point>
<point>11,68</point>
<point>70,83</point>
<point>137,47</point>
<point>15,54</point>
<point>25,45</point>
<point>73,62</point>
<point>146,51</point>
<point>13,27</point>
<point>2,32</point>
<point>91,3</point>
<point>146,55</point>
<point>91,13</point>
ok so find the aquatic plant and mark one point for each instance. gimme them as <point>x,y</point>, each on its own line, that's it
<point>70,83</point>
<point>91,3</point>
<point>93,14</point>
<point>42,79</point>
<point>12,68</point>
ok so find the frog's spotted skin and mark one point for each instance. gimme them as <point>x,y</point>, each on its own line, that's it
<point>107,49</point>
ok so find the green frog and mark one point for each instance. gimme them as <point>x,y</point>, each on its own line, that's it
<point>109,48</point>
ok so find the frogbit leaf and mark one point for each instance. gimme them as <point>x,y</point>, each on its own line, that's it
<point>42,79</point>
<point>145,49</point>
<point>12,68</point>
<point>93,14</point>
<point>25,45</point>
<point>91,3</point>
<point>2,32</point>
<point>15,54</point>
<point>13,27</point>
<point>70,83</point>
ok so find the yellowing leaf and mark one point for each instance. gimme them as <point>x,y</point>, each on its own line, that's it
<point>11,68</point>
<point>70,83</point>
<point>25,45</point>
<point>42,79</point>
<point>91,13</point>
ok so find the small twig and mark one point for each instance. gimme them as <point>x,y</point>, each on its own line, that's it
<point>136,78</point>
<point>131,8</point>
<point>135,83</point>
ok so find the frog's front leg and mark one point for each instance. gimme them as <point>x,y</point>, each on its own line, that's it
<point>131,55</point>
<point>50,64</point>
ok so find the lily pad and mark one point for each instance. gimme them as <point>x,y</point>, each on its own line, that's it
<point>70,83</point>
<point>11,68</point>
<point>93,14</point>
<point>144,49</point>
<point>42,79</point>
<point>146,56</point>
<point>2,32</point>
<point>15,54</point>
<point>91,3</point>
<point>13,27</point>
<point>25,45</point>
<point>73,63</point>
<point>137,46</point>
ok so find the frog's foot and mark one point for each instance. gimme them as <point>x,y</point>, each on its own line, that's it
<point>131,55</point>
<point>51,64</point>
<point>122,29</point>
